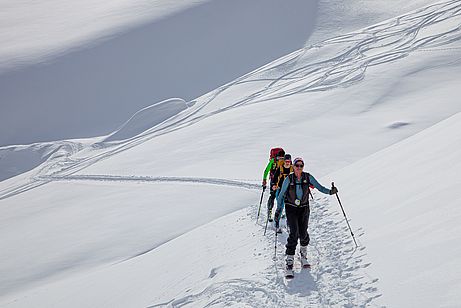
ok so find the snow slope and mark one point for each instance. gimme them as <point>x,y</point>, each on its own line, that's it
<point>106,210</point>
<point>228,262</point>
<point>406,200</point>
<point>91,57</point>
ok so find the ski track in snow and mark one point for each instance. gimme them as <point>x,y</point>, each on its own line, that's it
<point>335,279</point>
<point>153,179</point>
<point>434,28</point>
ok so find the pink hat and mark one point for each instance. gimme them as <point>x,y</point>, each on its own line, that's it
<point>298,159</point>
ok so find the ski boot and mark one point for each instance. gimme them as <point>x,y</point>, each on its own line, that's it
<point>303,257</point>
<point>289,273</point>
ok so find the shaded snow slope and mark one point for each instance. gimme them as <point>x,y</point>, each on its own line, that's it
<point>91,91</point>
<point>406,199</point>
<point>16,160</point>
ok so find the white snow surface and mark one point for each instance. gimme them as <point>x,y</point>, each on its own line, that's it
<point>161,212</point>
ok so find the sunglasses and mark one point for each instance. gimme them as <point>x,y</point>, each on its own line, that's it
<point>299,165</point>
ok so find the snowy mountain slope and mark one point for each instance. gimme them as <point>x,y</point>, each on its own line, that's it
<point>332,103</point>
<point>406,200</point>
<point>229,262</point>
<point>382,81</point>
<point>103,83</point>
<point>93,56</point>
<point>341,17</point>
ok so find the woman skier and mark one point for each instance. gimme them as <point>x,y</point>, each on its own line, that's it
<point>295,193</point>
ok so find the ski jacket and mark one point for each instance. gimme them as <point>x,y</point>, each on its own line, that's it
<point>280,174</point>
<point>297,188</point>
<point>272,165</point>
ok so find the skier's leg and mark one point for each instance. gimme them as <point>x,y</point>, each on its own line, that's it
<point>279,211</point>
<point>304,236</point>
<point>270,203</point>
<point>292,221</point>
<point>303,225</point>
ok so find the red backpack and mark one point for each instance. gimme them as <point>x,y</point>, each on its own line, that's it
<point>275,151</point>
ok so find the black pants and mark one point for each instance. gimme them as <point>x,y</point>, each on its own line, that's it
<point>270,201</point>
<point>297,220</point>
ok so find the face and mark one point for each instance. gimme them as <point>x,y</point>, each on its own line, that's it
<point>287,163</point>
<point>299,166</point>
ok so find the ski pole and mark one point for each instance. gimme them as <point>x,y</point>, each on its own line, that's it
<point>260,202</point>
<point>344,213</point>
<point>267,220</point>
<point>275,252</point>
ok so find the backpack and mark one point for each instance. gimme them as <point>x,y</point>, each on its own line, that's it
<point>273,155</point>
<point>275,151</point>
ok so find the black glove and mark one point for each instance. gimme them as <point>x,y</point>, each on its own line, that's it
<point>333,190</point>
<point>277,216</point>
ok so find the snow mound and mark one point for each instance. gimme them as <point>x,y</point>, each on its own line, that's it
<point>147,118</point>
<point>406,199</point>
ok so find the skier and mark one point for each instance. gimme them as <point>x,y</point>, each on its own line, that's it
<point>274,163</point>
<point>295,192</point>
<point>280,174</point>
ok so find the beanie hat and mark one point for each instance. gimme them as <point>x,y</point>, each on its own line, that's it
<point>287,157</point>
<point>298,159</point>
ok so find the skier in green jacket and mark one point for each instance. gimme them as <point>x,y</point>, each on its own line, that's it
<point>272,166</point>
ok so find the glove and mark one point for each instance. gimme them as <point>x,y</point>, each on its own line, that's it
<point>277,217</point>
<point>333,190</point>
<point>274,187</point>
<point>264,182</point>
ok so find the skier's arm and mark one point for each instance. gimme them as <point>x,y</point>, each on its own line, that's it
<point>317,185</point>
<point>283,190</point>
<point>277,176</point>
<point>268,169</point>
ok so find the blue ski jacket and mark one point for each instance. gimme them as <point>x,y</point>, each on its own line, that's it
<point>299,190</point>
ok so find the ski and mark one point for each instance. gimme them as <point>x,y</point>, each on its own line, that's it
<point>305,264</point>
<point>289,274</point>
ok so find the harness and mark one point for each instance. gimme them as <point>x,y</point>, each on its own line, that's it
<point>290,196</point>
